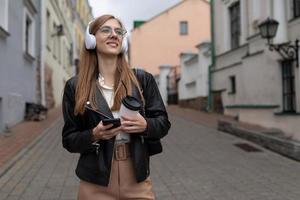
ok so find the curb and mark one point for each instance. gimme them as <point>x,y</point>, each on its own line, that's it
<point>283,146</point>
<point>7,166</point>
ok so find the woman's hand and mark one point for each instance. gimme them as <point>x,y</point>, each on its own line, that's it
<point>136,124</point>
<point>102,132</point>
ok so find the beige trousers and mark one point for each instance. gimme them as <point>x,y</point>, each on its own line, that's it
<point>122,185</point>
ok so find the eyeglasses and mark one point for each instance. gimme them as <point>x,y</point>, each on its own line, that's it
<point>107,30</point>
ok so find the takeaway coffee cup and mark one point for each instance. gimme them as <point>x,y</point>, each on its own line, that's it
<point>130,107</point>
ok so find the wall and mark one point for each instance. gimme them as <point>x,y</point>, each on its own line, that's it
<point>58,68</point>
<point>258,71</point>
<point>158,41</point>
<point>17,72</point>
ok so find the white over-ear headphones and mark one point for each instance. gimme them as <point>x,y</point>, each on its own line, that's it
<point>90,40</point>
<point>124,48</point>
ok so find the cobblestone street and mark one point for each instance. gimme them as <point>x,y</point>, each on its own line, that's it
<point>198,163</point>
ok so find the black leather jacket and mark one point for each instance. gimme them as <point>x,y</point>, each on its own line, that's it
<point>95,166</point>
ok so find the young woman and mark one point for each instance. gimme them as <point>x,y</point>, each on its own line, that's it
<point>114,162</point>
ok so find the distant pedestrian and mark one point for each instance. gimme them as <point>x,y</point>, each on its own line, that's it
<point>114,158</point>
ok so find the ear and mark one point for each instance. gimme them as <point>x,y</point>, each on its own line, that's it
<point>90,39</point>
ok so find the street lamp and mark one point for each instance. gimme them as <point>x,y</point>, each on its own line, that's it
<point>268,30</point>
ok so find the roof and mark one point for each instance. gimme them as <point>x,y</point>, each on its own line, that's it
<point>191,59</point>
<point>187,54</point>
<point>205,43</point>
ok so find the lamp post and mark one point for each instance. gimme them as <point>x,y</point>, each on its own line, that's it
<point>288,51</point>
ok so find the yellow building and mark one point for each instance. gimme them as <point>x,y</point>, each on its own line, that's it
<point>83,16</point>
<point>57,50</point>
<point>62,32</point>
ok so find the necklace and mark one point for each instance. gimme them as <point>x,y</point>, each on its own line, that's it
<point>102,82</point>
<point>106,91</point>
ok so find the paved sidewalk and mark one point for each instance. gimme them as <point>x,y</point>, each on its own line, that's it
<point>203,164</point>
<point>270,138</point>
<point>198,163</point>
<point>209,119</point>
<point>22,134</point>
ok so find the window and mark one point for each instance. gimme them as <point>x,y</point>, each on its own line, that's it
<point>58,49</point>
<point>232,85</point>
<point>3,14</point>
<point>235,26</point>
<point>54,48</point>
<point>64,63</point>
<point>29,34</point>
<point>71,55</point>
<point>48,30</point>
<point>69,58</point>
<point>183,28</point>
<point>296,6</point>
<point>288,87</point>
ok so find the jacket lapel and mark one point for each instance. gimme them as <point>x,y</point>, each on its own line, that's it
<point>136,94</point>
<point>102,105</point>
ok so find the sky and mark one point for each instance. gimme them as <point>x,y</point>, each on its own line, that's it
<point>130,10</point>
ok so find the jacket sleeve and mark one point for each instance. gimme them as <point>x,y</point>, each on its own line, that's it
<point>74,139</point>
<point>158,124</point>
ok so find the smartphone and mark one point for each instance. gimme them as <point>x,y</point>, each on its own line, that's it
<point>115,121</point>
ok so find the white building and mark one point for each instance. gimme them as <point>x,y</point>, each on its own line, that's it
<point>255,84</point>
<point>57,50</point>
<point>193,84</point>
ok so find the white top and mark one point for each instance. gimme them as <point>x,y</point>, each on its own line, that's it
<point>108,93</point>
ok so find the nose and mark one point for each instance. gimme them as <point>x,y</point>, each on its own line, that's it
<point>113,33</point>
<point>113,36</point>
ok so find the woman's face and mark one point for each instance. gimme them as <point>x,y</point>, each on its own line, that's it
<point>109,37</point>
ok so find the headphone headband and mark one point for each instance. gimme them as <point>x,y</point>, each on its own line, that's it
<point>90,39</point>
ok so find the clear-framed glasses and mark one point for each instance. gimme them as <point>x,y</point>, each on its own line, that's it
<point>107,30</point>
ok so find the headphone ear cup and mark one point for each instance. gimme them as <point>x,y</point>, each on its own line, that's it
<point>124,48</point>
<point>90,39</point>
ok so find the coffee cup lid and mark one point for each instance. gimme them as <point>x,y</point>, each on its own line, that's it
<point>131,103</point>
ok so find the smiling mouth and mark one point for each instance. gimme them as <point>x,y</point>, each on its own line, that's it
<point>112,44</point>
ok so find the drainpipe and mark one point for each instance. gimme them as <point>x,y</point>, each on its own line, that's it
<point>210,96</point>
<point>42,52</point>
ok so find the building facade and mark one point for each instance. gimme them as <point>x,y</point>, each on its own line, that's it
<point>37,45</point>
<point>57,50</point>
<point>82,16</point>
<point>256,85</point>
<point>19,45</point>
<point>160,40</point>
<point>193,84</point>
